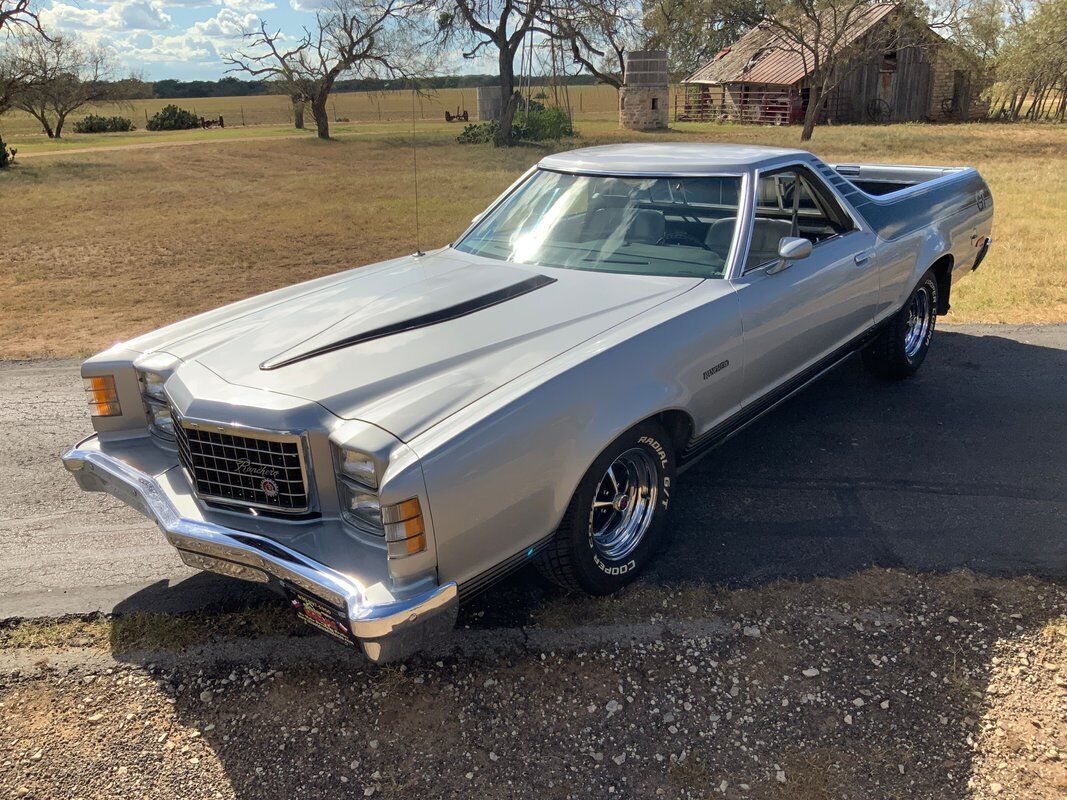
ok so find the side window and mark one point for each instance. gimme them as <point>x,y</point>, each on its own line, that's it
<point>792,202</point>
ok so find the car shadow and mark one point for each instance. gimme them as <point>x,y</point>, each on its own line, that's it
<point>961,467</point>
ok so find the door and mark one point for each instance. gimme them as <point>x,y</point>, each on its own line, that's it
<point>793,318</point>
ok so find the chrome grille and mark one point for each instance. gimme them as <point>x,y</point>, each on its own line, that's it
<point>258,471</point>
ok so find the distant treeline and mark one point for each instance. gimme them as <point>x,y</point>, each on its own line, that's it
<point>170,89</point>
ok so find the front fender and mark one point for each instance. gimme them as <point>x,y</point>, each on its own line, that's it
<point>500,476</point>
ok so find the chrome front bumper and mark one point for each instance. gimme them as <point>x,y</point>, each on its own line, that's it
<point>386,631</point>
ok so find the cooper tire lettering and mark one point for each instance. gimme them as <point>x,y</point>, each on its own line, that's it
<point>621,569</point>
<point>593,551</point>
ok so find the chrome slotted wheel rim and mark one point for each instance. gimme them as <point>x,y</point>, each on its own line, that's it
<point>624,503</point>
<point>917,324</point>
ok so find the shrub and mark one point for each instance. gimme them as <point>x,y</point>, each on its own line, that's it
<point>543,123</point>
<point>172,118</point>
<point>478,132</point>
<point>97,124</point>
<point>539,124</point>
<point>7,154</point>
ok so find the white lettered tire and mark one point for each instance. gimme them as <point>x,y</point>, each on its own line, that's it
<point>616,520</point>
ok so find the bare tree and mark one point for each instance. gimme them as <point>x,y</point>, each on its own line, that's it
<point>64,74</point>
<point>296,98</point>
<point>834,37</point>
<point>299,101</point>
<point>598,33</point>
<point>19,13</point>
<point>365,37</point>
<point>14,75</point>
<point>500,25</point>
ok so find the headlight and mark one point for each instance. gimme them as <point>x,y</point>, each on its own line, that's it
<point>157,409</point>
<point>159,417</point>
<point>362,508</point>
<point>358,467</point>
<point>152,385</point>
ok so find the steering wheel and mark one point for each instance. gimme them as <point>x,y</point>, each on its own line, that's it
<point>682,237</point>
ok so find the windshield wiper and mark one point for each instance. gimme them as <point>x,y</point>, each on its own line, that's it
<point>613,260</point>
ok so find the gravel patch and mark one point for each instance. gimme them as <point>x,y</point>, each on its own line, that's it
<point>882,685</point>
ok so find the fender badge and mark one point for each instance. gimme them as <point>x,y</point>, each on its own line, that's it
<point>717,368</point>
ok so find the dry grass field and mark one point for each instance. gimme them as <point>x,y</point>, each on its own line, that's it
<point>351,106</point>
<point>99,246</point>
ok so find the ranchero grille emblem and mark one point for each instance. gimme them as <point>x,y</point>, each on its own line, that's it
<point>246,467</point>
<point>243,470</point>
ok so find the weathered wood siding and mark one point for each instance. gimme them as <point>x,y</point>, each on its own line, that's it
<point>902,95</point>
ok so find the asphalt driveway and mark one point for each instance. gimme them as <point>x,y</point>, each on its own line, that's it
<point>963,466</point>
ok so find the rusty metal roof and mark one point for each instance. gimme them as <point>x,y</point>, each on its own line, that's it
<point>762,56</point>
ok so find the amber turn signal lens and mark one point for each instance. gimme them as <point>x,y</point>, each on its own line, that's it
<point>103,396</point>
<point>405,533</point>
<point>416,544</point>
<point>409,509</point>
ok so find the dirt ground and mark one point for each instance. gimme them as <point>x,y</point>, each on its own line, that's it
<point>880,685</point>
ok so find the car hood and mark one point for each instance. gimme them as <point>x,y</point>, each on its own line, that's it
<point>405,343</point>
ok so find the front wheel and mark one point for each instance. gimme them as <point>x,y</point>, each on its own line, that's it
<point>901,347</point>
<point>615,522</point>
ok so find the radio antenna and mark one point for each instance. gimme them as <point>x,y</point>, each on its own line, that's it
<point>415,170</point>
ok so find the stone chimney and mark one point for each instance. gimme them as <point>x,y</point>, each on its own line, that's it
<point>644,98</point>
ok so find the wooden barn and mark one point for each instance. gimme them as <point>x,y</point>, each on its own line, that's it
<point>900,70</point>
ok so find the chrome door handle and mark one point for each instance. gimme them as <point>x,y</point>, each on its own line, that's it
<point>863,258</point>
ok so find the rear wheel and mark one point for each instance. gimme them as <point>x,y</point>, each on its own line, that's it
<point>614,523</point>
<point>901,347</point>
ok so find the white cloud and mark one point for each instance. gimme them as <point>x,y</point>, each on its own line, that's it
<point>129,15</point>
<point>227,24</point>
<point>181,48</point>
<point>308,5</point>
<point>249,5</point>
<point>140,15</point>
<point>204,42</point>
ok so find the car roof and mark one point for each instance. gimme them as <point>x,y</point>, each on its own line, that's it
<point>668,158</point>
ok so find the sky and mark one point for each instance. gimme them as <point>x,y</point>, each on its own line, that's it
<point>183,39</point>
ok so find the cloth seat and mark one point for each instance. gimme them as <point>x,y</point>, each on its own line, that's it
<point>766,234</point>
<point>647,227</point>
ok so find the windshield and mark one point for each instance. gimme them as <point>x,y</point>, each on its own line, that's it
<point>646,226</point>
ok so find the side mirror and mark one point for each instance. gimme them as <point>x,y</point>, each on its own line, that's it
<point>790,248</point>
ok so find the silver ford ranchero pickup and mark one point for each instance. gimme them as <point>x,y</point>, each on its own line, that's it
<point>383,442</point>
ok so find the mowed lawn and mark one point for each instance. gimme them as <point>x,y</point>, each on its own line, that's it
<point>98,247</point>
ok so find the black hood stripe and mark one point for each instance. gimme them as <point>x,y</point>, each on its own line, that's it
<point>423,321</point>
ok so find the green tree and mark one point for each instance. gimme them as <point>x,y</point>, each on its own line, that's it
<point>1032,65</point>
<point>693,31</point>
